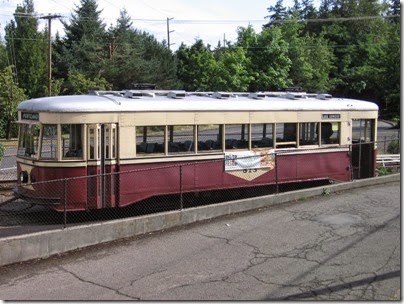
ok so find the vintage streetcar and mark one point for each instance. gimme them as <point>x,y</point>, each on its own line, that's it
<point>116,148</point>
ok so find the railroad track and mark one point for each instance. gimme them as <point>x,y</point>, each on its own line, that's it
<point>7,185</point>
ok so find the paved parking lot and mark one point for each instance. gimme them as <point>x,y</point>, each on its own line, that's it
<point>341,246</point>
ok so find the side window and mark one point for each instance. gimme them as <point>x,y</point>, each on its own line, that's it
<point>72,145</point>
<point>181,139</point>
<point>236,136</point>
<point>262,135</point>
<point>49,145</point>
<point>150,140</point>
<point>210,138</point>
<point>286,135</point>
<point>308,134</point>
<point>330,133</point>
<point>362,130</point>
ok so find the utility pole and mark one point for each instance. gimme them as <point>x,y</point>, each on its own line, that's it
<point>168,32</point>
<point>50,17</point>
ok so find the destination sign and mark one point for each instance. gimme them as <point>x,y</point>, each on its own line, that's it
<point>331,116</point>
<point>29,116</point>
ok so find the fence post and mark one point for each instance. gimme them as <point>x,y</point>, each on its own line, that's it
<point>276,172</point>
<point>65,204</point>
<point>181,196</point>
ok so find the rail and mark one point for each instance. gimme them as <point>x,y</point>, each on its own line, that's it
<point>388,160</point>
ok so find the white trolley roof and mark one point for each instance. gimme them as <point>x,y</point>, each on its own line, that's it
<point>167,101</point>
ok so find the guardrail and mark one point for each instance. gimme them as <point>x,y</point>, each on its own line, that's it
<point>388,160</point>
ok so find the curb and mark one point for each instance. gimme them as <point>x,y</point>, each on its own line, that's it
<point>44,244</point>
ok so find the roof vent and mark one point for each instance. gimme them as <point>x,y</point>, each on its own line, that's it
<point>133,94</point>
<point>256,95</point>
<point>324,96</point>
<point>295,96</point>
<point>137,94</point>
<point>176,94</point>
<point>221,95</point>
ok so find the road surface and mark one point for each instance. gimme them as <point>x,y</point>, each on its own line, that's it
<point>343,246</point>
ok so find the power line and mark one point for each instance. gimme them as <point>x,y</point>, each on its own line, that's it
<point>229,21</point>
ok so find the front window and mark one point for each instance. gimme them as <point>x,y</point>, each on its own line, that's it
<point>49,142</point>
<point>28,140</point>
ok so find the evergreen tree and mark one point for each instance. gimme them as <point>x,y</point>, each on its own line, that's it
<point>84,48</point>
<point>27,49</point>
<point>276,15</point>
<point>137,57</point>
<point>3,56</point>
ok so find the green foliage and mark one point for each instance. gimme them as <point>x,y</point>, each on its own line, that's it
<point>196,66</point>
<point>1,151</point>
<point>268,61</point>
<point>394,147</point>
<point>10,96</point>
<point>77,83</point>
<point>27,49</point>
<point>382,171</point>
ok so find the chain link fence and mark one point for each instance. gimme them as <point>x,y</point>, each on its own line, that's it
<point>87,199</point>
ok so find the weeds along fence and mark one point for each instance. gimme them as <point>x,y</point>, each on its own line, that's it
<point>166,187</point>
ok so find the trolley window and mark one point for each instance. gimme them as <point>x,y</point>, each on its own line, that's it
<point>28,140</point>
<point>210,138</point>
<point>181,139</point>
<point>236,136</point>
<point>262,135</point>
<point>362,130</point>
<point>308,134</point>
<point>286,135</point>
<point>49,145</point>
<point>150,140</point>
<point>330,133</point>
<point>72,145</point>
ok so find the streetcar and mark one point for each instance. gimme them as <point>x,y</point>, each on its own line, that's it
<point>112,149</point>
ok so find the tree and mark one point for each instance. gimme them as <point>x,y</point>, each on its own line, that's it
<point>3,56</point>
<point>10,96</point>
<point>84,47</point>
<point>276,15</point>
<point>137,57</point>
<point>269,64</point>
<point>231,70</point>
<point>196,66</point>
<point>311,56</point>
<point>77,83</point>
<point>28,49</point>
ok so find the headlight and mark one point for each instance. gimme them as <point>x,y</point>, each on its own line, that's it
<point>24,177</point>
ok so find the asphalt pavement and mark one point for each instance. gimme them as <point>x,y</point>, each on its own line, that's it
<point>340,246</point>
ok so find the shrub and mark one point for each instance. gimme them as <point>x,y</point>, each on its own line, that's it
<point>394,147</point>
<point>1,151</point>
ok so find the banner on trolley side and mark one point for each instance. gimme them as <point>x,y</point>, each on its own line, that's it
<point>244,160</point>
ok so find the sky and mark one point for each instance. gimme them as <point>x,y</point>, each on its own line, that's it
<point>209,20</point>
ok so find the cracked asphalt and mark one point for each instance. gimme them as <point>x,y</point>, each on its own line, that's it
<point>342,246</point>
